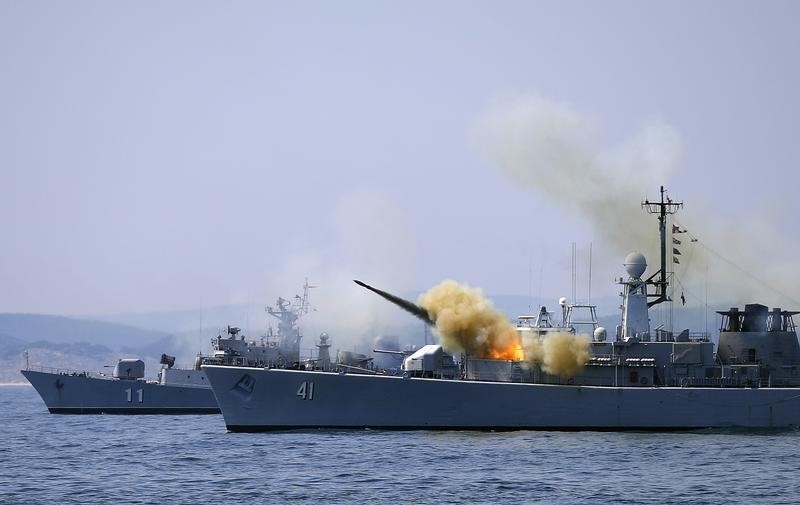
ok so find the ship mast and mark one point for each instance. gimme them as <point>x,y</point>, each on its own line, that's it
<point>288,313</point>
<point>663,208</point>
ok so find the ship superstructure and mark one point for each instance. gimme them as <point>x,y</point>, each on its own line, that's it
<point>637,378</point>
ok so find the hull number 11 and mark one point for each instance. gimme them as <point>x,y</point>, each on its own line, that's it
<point>139,395</point>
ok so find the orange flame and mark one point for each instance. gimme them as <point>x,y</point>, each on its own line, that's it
<point>466,320</point>
<point>512,351</point>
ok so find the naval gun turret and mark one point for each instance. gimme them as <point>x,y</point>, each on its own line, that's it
<point>131,369</point>
<point>431,361</point>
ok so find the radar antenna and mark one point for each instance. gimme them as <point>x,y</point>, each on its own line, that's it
<point>663,208</point>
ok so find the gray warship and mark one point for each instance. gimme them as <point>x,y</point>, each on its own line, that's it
<point>175,390</point>
<point>639,379</point>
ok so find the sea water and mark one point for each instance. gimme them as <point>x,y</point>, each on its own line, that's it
<point>47,458</point>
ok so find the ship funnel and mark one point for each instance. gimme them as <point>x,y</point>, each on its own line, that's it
<point>412,308</point>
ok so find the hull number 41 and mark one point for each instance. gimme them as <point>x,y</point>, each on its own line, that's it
<point>306,390</point>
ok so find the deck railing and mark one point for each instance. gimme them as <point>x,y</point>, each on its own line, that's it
<point>65,371</point>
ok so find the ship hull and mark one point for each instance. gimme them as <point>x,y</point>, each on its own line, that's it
<point>254,399</point>
<point>78,394</point>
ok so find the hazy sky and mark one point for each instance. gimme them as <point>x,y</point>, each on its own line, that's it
<point>162,155</point>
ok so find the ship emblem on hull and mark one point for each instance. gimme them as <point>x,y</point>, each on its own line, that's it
<point>244,387</point>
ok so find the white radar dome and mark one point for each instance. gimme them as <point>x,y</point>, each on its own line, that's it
<point>562,301</point>
<point>600,334</point>
<point>635,264</point>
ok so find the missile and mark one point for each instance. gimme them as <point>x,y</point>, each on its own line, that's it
<point>412,308</point>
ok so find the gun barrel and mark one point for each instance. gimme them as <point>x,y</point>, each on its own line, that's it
<point>398,353</point>
<point>409,307</point>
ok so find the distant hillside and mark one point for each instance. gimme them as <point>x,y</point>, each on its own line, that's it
<point>66,355</point>
<point>176,321</point>
<point>63,330</point>
<point>11,346</point>
<point>183,345</point>
<point>68,359</point>
<point>63,342</point>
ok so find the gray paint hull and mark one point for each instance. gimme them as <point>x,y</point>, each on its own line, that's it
<point>75,394</point>
<point>254,399</point>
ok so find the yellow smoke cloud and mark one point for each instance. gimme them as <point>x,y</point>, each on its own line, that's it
<point>467,321</point>
<point>560,353</point>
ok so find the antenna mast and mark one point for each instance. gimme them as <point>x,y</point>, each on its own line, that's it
<point>663,208</point>
<point>574,274</point>
<point>589,293</point>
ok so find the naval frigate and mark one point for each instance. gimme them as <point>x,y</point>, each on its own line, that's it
<point>640,379</point>
<point>175,390</point>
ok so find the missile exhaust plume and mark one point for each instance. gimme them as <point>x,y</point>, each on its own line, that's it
<point>409,307</point>
<point>466,320</point>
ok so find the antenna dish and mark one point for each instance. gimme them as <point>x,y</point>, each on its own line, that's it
<point>635,264</point>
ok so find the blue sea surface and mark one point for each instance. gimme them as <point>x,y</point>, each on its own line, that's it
<point>48,458</point>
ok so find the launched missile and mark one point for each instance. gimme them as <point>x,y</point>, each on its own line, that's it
<point>413,308</point>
